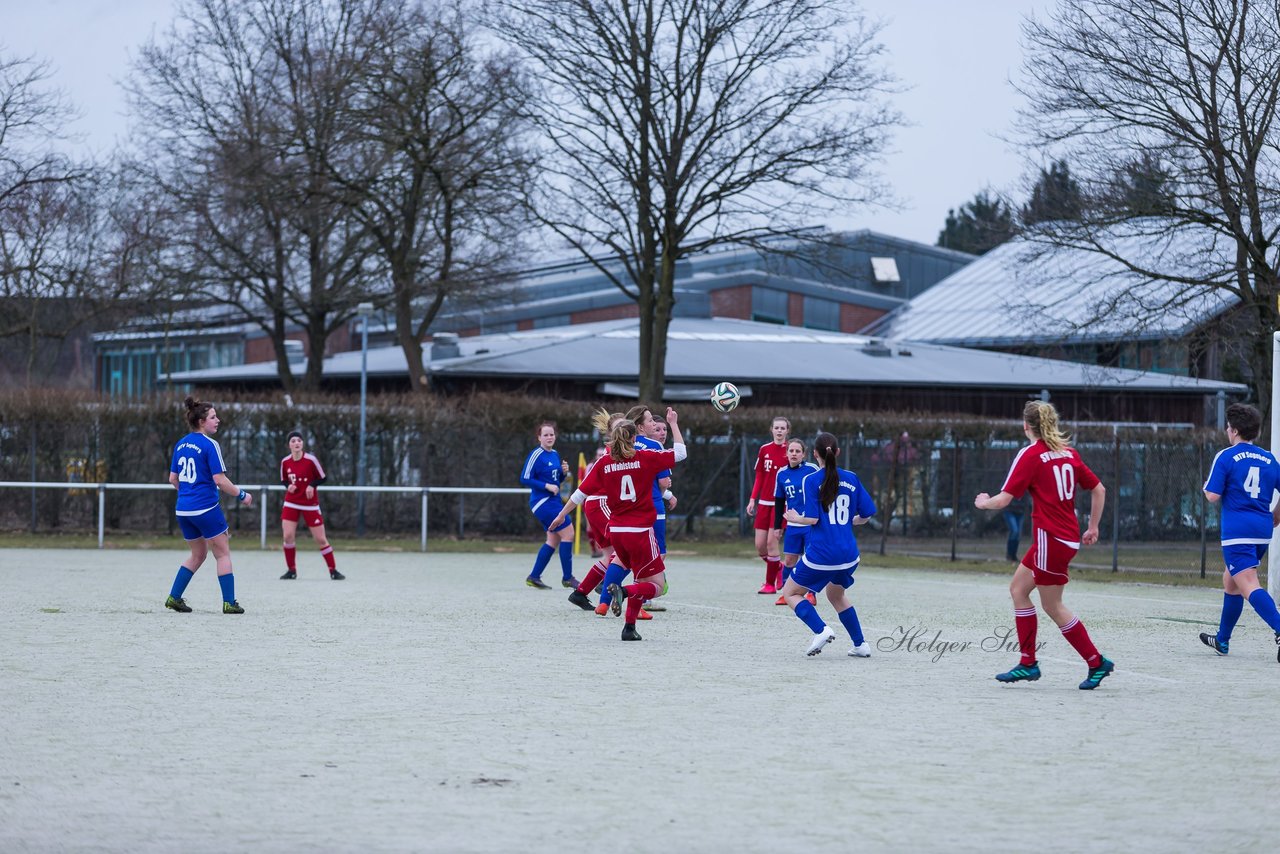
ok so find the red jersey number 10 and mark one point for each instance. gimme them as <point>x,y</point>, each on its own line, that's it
<point>1064,477</point>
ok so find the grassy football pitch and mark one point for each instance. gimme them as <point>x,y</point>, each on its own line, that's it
<point>435,703</point>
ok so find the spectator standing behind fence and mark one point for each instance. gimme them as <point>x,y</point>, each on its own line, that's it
<point>1050,469</point>
<point>302,474</point>
<point>198,472</point>
<point>770,460</point>
<point>543,473</point>
<point>1244,478</point>
<point>1012,516</point>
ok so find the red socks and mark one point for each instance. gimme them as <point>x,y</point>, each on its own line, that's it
<point>291,558</point>
<point>594,576</point>
<point>775,572</point>
<point>1026,621</point>
<point>637,595</point>
<point>327,554</point>
<point>1076,635</point>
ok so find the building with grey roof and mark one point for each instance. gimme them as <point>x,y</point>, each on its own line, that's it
<point>774,366</point>
<point>1024,297</point>
<point>837,282</point>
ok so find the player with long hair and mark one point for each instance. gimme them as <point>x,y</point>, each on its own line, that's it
<point>198,472</point>
<point>596,510</point>
<point>626,478</point>
<point>543,473</point>
<point>1244,478</point>
<point>833,501</point>
<point>770,459</point>
<point>647,428</point>
<point>787,495</point>
<point>301,474</point>
<point>1051,470</point>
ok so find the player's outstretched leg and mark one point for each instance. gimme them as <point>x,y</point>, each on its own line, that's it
<point>1021,673</point>
<point>540,562</point>
<point>1103,669</point>
<point>822,633</point>
<point>1232,608</point>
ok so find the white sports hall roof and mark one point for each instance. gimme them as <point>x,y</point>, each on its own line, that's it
<point>1024,292</point>
<point>704,351</point>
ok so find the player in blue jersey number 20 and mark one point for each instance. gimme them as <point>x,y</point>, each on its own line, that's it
<point>198,472</point>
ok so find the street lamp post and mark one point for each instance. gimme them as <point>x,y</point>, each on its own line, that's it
<point>363,310</point>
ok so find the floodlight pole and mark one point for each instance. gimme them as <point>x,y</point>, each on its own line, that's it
<point>1273,563</point>
<point>364,309</point>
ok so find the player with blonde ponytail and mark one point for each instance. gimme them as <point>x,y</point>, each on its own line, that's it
<point>1051,470</point>
<point>596,509</point>
<point>626,477</point>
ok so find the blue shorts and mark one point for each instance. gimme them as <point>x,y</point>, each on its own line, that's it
<point>547,510</point>
<point>207,525</point>
<point>793,539</point>
<point>1244,556</point>
<point>660,534</point>
<point>816,579</point>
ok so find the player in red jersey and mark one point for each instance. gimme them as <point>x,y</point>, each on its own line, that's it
<point>626,478</point>
<point>769,461</point>
<point>301,474</point>
<point>1051,470</point>
<point>596,509</point>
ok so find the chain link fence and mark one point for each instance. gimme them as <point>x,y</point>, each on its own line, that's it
<point>923,472</point>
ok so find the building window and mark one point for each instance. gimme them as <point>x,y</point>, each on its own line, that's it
<point>822,314</point>
<point>768,305</point>
<point>885,271</point>
<point>552,320</point>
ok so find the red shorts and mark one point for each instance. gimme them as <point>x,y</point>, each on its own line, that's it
<point>764,517</point>
<point>597,522</point>
<point>311,518</point>
<point>637,550</point>
<point>1049,557</point>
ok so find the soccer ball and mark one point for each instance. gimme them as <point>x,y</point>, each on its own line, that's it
<point>725,397</point>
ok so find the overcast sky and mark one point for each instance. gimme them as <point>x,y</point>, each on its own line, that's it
<point>954,56</point>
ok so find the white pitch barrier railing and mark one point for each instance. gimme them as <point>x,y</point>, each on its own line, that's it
<point>260,495</point>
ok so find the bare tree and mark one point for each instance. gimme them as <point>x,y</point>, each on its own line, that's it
<point>1192,86</point>
<point>242,110</point>
<point>33,118</point>
<point>57,227</point>
<point>673,126</point>
<point>444,172</point>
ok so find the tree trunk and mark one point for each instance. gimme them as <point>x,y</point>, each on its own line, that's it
<point>317,339</point>
<point>410,343</point>
<point>664,303</point>
<point>647,379</point>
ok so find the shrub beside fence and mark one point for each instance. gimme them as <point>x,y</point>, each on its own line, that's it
<point>923,471</point>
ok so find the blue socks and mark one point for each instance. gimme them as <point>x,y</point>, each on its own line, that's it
<point>613,575</point>
<point>1266,607</point>
<point>228,584</point>
<point>1232,606</point>
<point>809,615</point>
<point>566,560</point>
<point>541,561</point>
<point>849,617</point>
<point>180,582</point>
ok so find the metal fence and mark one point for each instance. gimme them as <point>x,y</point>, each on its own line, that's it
<point>1156,519</point>
<point>261,493</point>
